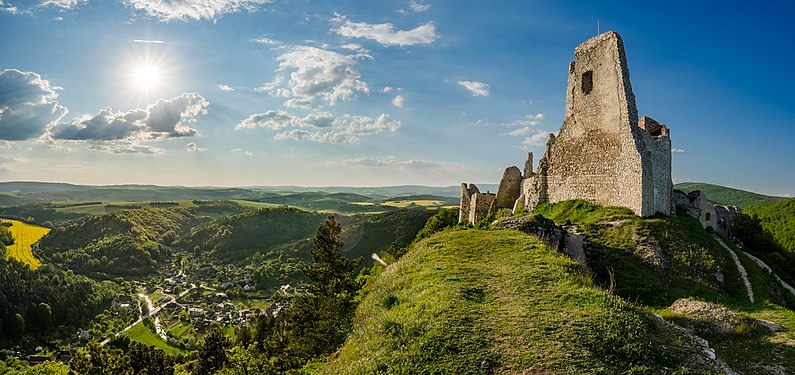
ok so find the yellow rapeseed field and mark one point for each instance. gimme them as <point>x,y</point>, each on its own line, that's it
<point>25,235</point>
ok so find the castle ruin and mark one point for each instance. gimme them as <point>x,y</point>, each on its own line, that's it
<point>603,153</point>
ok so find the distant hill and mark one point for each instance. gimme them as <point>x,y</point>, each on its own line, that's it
<point>238,236</point>
<point>725,195</point>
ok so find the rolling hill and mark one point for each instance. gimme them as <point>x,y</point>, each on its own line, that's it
<point>725,195</point>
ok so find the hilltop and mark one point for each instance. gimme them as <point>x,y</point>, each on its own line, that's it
<point>726,196</point>
<point>474,301</point>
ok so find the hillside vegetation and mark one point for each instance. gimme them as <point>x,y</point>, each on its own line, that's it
<point>725,195</point>
<point>238,236</point>
<point>124,242</point>
<point>779,219</point>
<point>483,302</point>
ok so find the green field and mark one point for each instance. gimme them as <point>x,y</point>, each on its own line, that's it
<point>25,235</point>
<point>140,333</point>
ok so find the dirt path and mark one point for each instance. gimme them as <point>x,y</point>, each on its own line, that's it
<point>766,268</point>
<point>743,272</point>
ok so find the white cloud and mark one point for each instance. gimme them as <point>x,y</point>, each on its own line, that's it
<point>399,101</point>
<point>417,7</point>
<point>224,88</point>
<point>248,153</point>
<point>28,105</point>
<point>521,132</point>
<point>385,33</point>
<point>537,139</point>
<point>8,8</point>
<point>476,88</point>
<point>184,10</point>
<point>679,151</point>
<point>166,118</point>
<point>125,148</point>
<point>63,4</point>
<point>529,120</point>
<point>316,73</point>
<point>387,89</point>
<point>321,127</point>
<point>393,162</point>
<point>146,41</point>
<point>266,41</point>
<point>192,147</point>
<point>298,103</point>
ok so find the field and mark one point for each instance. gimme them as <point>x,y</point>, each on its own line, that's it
<point>141,334</point>
<point>25,235</point>
<point>427,203</point>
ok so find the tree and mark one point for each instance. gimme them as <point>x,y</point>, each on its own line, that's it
<point>143,359</point>
<point>212,353</point>
<point>331,274</point>
<point>15,326</point>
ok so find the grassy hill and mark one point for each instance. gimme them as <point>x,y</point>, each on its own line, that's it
<point>493,302</point>
<point>726,195</point>
<point>779,219</point>
<point>480,302</point>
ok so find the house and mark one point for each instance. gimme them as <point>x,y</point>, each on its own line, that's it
<point>39,359</point>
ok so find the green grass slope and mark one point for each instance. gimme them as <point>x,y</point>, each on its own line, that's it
<point>779,219</point>
<point>494,302</point>
<point>725,195</point>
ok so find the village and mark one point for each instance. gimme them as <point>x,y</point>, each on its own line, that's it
<point>175,308</point>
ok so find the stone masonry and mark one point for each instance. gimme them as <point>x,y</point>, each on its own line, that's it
<point>603,153</point>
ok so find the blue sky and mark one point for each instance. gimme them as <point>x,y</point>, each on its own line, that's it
<point>284,92</point>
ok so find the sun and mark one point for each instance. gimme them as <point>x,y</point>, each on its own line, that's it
<point>147,77</point>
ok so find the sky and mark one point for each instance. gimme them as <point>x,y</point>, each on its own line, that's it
<point>375,93</point>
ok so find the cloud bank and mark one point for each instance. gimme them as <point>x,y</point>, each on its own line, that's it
<point>321,127</point>
<point>28,105</point>
<point>315,73</point>
<point>166,118</point>
<point>185,10</point>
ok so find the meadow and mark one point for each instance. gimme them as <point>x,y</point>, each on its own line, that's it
<point>25,235</point>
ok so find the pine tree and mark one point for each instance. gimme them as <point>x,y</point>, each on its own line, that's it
<point>212,353</point>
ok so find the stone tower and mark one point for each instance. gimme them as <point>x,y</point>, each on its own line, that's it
<point>603,153</point>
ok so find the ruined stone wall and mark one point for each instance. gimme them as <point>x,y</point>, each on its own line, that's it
<point>508,190</point>
<point>466,197</point>
<point>658,186</point>
<point>602,154</point>
<point>480,203</point>
<point>598,154</point>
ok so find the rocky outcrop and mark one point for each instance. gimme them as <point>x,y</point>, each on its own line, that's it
<point>543,228</point>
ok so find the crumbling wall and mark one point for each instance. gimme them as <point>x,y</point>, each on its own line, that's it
<point>508,190</point>
<point>695,204</point>
<point>480,203</point>
<point>725,218</point>
<point>466,196</point>
<point>600,154</point>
